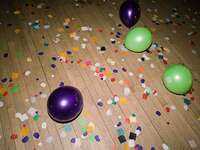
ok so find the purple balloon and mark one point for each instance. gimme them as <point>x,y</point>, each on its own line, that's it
<point>65,104</point>
<point>129,13</point>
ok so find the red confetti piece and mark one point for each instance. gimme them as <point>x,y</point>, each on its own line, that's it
<point>5,93</point>
<point>13,136</point>
<point>127,120</point>
<point>144,96</point>
<point>192,98</point>
<point>112,79</point>
<point>167,109</point>
<point>165,62</point>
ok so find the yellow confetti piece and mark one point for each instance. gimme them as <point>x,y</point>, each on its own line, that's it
<point>126,146</point>
<point>73,34</point>
<point>90,127</point>
<point>198,118</point>
<point>17,12</point>
<point>63,55</point>
<point>87,113</point>
<point>50,16</point>
<point>14,75</point>
<point>94,39</point>
<point>123,101</point>
<point>17,31</point>
<point>67,21</point>
<point>76,49</point>
<point>61,29</point>
<point>24,131</point>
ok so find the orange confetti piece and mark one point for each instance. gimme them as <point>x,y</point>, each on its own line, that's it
<point>114,147</point>
<point>90,127</point>
<point>126,82</point>
<point>140,69</point>
<point>126,146</point>
<point>107,73</point>
<point>123,53</point>
<point>61,29</point>
<point>76,49</point>
<point>123,101</point>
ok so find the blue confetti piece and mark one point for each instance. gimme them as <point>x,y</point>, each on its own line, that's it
<point>25,139</point>
<point>67,127</point>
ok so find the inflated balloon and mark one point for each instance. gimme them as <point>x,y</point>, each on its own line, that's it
<point>129,13</point>
<point>138,39</point>
<point>177,79</point>
<point>65,104</point>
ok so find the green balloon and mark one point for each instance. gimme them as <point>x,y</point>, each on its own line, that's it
<point>138,39</point>
<point>177,79</point>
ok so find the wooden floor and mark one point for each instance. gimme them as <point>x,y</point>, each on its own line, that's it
<point>67,47</point>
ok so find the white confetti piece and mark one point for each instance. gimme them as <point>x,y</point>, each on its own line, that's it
<point>127,91</point>
<point>194,52</point>
<point>109,112</point>
<point>27,73</point>
<point>40,144</point>
<point>85,40</point>
<point>165,146</point>
<point>152,66</point>
<point>131,74</point>
<point>29,59</point>
<point>173,107</point>
<point>83,45</point>
<point>52,75</point>
<point>43,95</point>
<point>31,111</point>
<point>1,103</point>
<point>44,125</point>
<point>110,15</point>
<point>186,108</point>
<point>33,99</point>
<point>63,134</point>
<point>192,144</point>
<point>21,117</point>
<point>131,143</point>
<point>43,84</point>
<point>49,139</point>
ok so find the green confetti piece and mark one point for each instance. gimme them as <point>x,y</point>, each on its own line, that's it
<point>186,101</point>
<point>78,26</point>
<point>92,138</point>
<point>19,54</point>
<point>14,89</point>
<point>82,122</point>
<point>36,117</point>
<point>83,129</point>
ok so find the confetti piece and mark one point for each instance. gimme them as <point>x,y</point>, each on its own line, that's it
<point>82,122</point>
<point>127,91</point>
<point>76,49</point>
<point>158,113</point>
<point>24,131</point>
<point>27,73</point>
<point>67,127</point>
<point>165,146</point>
<point>14,75</point>
<point>43,84</point>
<point>49,139</point>
<point>17,31</point>
<point>44,125</point>
<point>36,135</point>
<point>14,89</point>
<point>192,144</point>
<point>123,101</point>
<point>25,139</point>
<point>1,104</point>
<point>13,136</point>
